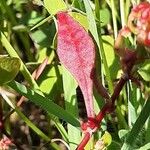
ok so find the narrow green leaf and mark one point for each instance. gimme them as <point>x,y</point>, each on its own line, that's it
<point>9,68</point>
<point>98,39</point>
<point>55,6</point>
<point>132,115</point>
<point>44,103</point>
<point>31,125</point>
<point>27,121</point>
<point>42,22</point>
<point>114,18</point>
<point>70,85</point>
<point>132,135</point>
<point>60,127</point>
<point>144,70</point>
<point>91,21</point>
<point>145,147</point>
<point>112,60</point>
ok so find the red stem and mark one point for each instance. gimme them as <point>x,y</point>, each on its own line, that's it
<point>118,89</point>
<point>84,141</point>
<point>128,62</point>
<point>99,87</point>
<point>107,108</point>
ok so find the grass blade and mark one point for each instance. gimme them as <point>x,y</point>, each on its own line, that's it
<point>145,113</point>
<point>44,103</point>
<point>70,86</point>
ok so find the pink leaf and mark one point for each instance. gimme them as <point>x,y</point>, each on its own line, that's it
<point>76,52</point>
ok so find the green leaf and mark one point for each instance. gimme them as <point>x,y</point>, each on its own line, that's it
<point>112,60</point>
<point>26,120</point>
<point>11,51</point>
<point>44,35</point>
<point>51,82</point>
<point>81,19</point>
<point>145,147</point>
<point>144,70</point>
<point>137,127</point>
<point>45,103</point>
<point>107,138</point>
<point>91,22</point>
<point>122,133</point>
<point>55,6</point>
<point>97,38</point>
<point>31,18</point>
<point>70,85</point>
<point>132,103</point>
<point>145,74</point>
<point>108,42</point>
<point>104,16</point>
<point>115,145</point>
<point>9,68</point>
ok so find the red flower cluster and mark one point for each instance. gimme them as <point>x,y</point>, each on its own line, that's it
<point>139,22</point>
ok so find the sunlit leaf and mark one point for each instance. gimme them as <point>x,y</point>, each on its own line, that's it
<point>112,60</point>
<point>104,16</point>
<point>54,6</point>
<point>107,138</point>
<point>9,68</point>
<point>81,19</point>
<point>144,70</point>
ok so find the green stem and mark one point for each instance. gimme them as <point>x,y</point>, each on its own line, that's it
<point>137,127</point>
<point>122,12</point>
<point>98,39</point>
<point>44,103</point>
<point>1,117</point>
<point>71,106</point>
<point>121,118</point>
<point>113,9</point>
<point>108,76</point>
<point>32,126</point>
<point>127,9</point>
<point>49,18</point>
<point>28,122</point>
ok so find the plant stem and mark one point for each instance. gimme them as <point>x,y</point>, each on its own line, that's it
<point>145,113</point>
<point>108,76</point>
<point>107,108</point>
<point>118,89</point>
<point>114,18</point>
<point>127,8</point>
<point>86,138</point>
<point>102,52</point>
<point>1,117</point>
<point>122,12</point>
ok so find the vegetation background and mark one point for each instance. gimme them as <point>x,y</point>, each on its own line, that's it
<point>48,118</point>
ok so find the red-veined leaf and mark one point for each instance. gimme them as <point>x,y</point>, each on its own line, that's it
<point>76,52</point>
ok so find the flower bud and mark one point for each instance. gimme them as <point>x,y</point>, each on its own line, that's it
<point>139,23</point>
